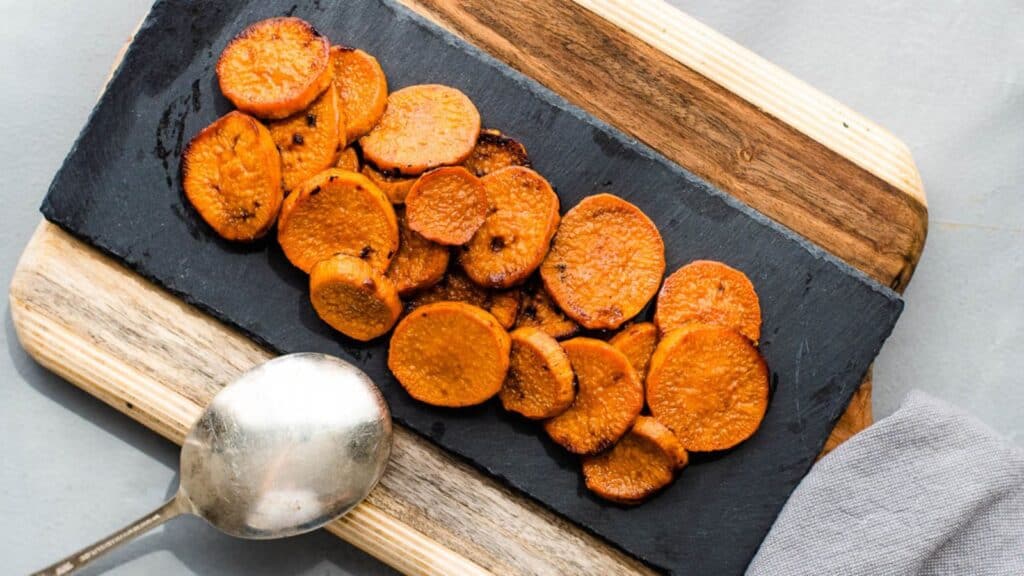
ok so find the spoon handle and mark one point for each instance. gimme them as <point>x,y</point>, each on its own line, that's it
<point>72,563</point>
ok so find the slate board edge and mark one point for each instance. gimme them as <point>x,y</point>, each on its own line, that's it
<point>548,97</point>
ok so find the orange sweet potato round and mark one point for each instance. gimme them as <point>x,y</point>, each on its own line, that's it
<point>608,399</point>
<point>494,151</point>
<point>604,237</point>
<point>231,173</point>
<point>310,140</point>
<point>419,262</point>
<point>637,342</point>
<point>540,379</point>
<point>449,354</point>
<point>539,311</point>
<point>447,205</point>
<point>709,292</point>
<point>275,67</point>
<point>709,385</point>
<point>521,219</point>
<point>353,298</point>
<point>423,127</point>
<point>396,188</point>
<point>338,212</point>
<point>362,86</point>
<point>641,463</point>
<point>348,159</point>
<point>456,287</point>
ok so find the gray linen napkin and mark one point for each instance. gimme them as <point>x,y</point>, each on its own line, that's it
<point>928,490</point>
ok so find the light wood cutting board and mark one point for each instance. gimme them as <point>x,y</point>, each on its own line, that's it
<point>702,101</point>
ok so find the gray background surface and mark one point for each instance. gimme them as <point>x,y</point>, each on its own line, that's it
<point>947,77</point>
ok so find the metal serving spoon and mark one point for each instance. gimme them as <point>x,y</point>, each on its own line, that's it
<point>285,449</point>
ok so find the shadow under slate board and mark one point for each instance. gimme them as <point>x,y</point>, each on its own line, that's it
<point>119,189</point>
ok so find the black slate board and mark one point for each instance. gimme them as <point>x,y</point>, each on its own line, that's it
<point>824,322</point>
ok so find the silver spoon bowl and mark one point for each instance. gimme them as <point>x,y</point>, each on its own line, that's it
<point>286,448</point>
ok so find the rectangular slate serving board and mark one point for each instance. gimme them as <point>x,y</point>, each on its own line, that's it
<point>119,189</point>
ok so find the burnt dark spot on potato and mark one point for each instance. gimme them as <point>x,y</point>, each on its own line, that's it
<point>561,267</point>
<point>497,243</point>
<point>311,120</point>
<point>369,284</point>
<point>314,191</point>
<point>297,139</point>
<point>332,178</point>
<point>365,252</point>
<point>391,253</point>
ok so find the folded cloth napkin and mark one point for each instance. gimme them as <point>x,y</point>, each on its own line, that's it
<point>928,490</point>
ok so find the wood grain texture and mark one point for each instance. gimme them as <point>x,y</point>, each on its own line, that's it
<point>704,102</point>
<point>859,197</point>
<point>158,360</point>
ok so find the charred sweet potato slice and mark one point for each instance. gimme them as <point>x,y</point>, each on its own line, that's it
<point>362,86</point>
<point>637,342</point>
<point>419,262</point>
<point>456,287</point>
<point>310,140</point>
<point>348,159</point>
<point>540,379</point>
<point>447,205</point>
<point>449,354</point>
<point>608,399</point>
<point>494,151</point>
<point>353,298</point>
<point>539,311</point>
<point>231,173</point>
<point>522,217</point>
<point>275,67</point>
<point>708,292</point>
<point>604,237</point>
<point>709,385</point>
<point>423,127</point>
<point>643,462</point>
<point>395,187</point>
<point>338,212</point>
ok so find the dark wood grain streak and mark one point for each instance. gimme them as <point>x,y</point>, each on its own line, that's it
<point>869,223</point>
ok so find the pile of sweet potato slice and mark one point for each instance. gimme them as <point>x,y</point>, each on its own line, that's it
<point>411,220</point>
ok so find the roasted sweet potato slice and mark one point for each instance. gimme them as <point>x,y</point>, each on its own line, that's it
<point>395,187</point>
<point>423,127</point>
<point>419,262</point>
<point>447,205</point>
<point>231,173</point>
<point>362,86</point>
<point>606,262</point>
<point>637,342</point>
<point>540,311</point>
<point>521,219</point>
<point>353,298</point>
<point>456,287</point>
<point>310,140</point>
<point>540,379</point>
<point>449,354</point>
<point>494,151</point>
<point>338,212</point>
<point>709,292</point>
<point>643,462</point>
<point>348,159</point>
<point>608,399</point>
<point>709,385</point>
<point>275,67</point>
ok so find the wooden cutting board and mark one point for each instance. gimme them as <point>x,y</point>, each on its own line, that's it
<point>705,103</point>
